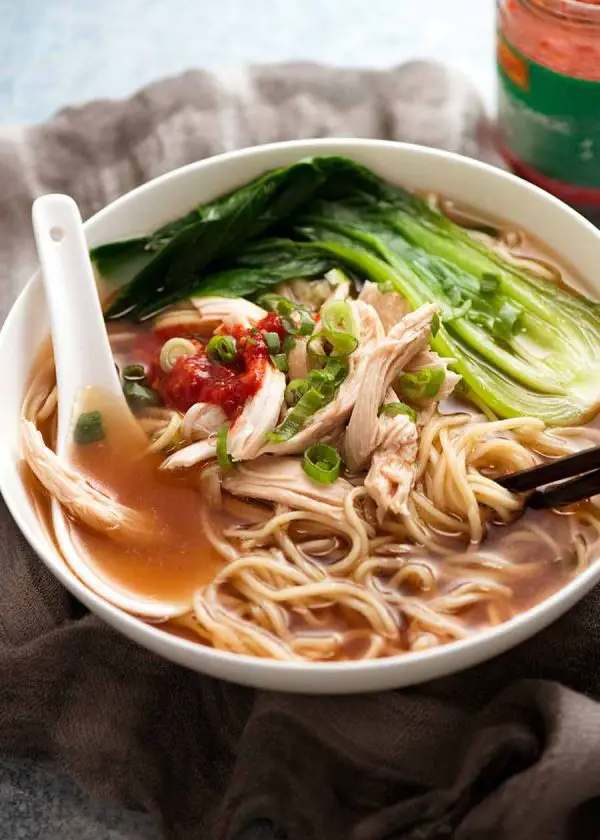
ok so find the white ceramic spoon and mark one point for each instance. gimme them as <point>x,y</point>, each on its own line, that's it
<point>83,360</point>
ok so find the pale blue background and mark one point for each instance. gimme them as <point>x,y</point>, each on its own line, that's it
<point>55,53</point>
<point>60,52</point>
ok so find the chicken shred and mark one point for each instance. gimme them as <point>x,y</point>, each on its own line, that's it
<point>386,361</point>
<point>283,481</point>
<point>217,311</point>
<point>76,495</point>
<point>390,306</point>
<point>260,415</point>
<point>331,417</point>
<point>202,421</point>
<point>298,367</point>
<point>391,473</point>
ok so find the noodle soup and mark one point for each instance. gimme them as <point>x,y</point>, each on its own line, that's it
<point>317,475</point>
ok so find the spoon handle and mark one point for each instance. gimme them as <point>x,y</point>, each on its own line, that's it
<point>82,351</point>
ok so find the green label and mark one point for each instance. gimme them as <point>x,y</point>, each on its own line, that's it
<point>547,120</point>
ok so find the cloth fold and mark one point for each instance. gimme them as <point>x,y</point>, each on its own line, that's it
<point>509,750</point>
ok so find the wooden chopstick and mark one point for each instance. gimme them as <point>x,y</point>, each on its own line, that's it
<point>561,468</point>
<point>566,493</point>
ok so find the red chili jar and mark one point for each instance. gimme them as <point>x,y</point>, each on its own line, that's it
<point>549,96</point>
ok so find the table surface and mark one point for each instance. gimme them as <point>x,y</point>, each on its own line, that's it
<point>55,53</point>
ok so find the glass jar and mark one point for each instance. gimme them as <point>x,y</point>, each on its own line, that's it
<point>549,96</point>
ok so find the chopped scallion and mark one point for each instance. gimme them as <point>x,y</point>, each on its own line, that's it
<point>488,284</point>
<point>280,361</point>
<point>322,463</point>
<point>222,348</point>
<point>173,349</point>
<point>316,347</point>
<point>296,319</point>
<point>334,371</point>
<point>224,459</point>
<point>423,384</point>
<point>394,408</point>
<point>134,373</point>
<point>272,341</point>
<point>289,342</point>
<point>139,396</point>
<point>295,389</point>
<point>309,403</point>
<point>339,327</point>
<point>508,321</point>
<point>89,428</point>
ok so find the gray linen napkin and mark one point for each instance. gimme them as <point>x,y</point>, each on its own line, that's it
<point>509,750</point>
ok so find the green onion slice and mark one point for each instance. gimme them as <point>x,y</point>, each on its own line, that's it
<point>272,341</point>
<point>289,342</point>
<point>280,361</point>
<point>296,319</point>
<point>315,348</point>
<point>309,403</point>
<point>295,389</point>
<point>489,284</point>
<point>322,463</point>
<point>339,327</point>
<point>173,349</point>
<point>508,321</point>
<point>307,396</point>
<point>139,396</point>
<point>422,384</point>
<point>134,373</point>
<point>224,459</point>
<point>222,348</point>
<point>329,377</point>
<point>89,428</point>
<point>394,408</point>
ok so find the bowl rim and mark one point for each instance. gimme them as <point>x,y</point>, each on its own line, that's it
<point>145,633</point>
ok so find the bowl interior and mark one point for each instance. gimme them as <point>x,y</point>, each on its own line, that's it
<point>573,239</point>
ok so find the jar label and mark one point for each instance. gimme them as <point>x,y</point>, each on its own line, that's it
<point>548,120</point>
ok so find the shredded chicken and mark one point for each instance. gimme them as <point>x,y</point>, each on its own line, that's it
<point>390,306</point>
<point>216,311</point>
<point>76,495</point>
<point>202,421</point>
<point>298,367</point>
<point>195,453</point>
<point>248,433</point>
<point>391,473</point>
<point>327,421</point>
<point>386,361</point>
<point>282,481</point>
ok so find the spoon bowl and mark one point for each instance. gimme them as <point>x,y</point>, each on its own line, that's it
<point>82,353</point>
<point>85,370</point>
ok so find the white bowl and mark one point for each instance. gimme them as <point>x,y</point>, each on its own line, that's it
<point>574,239</point>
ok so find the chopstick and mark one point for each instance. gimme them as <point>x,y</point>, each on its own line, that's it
<point>567,467</point>
<point>583,468</point>
<point>566,493</point>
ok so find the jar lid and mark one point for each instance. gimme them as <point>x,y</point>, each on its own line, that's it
<point>573,10</point>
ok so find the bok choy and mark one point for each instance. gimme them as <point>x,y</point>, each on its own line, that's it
<point>523,345</point>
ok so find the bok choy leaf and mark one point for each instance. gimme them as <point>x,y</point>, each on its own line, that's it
<point>524,345</point>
